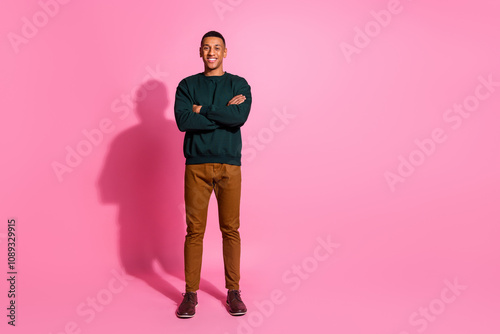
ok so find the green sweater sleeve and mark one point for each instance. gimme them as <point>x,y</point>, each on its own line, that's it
<point>186,119</point>
<point>234,115</point>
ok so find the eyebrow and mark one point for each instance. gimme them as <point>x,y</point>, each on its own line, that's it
<point>209,45</point>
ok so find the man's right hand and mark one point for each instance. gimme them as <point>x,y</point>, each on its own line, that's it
<point>238,99</point>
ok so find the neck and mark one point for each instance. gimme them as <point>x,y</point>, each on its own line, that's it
<point>215,72</point>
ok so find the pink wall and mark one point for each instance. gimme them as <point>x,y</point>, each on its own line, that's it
<point>370,168</point>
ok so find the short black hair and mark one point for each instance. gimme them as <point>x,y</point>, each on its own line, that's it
<point>213,34</point>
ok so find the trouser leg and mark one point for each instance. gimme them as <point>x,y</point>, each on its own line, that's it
<point>198,186</point>
<point>228,193</point>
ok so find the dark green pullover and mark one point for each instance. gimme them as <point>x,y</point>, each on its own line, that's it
<point>213,135</point>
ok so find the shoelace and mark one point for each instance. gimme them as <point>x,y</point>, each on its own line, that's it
<point>190,297</point>
<point>237,295</point>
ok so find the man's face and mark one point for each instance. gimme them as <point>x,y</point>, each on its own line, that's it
<point>213,51</point>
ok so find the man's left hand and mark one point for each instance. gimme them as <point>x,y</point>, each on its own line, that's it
<point>238,99</point>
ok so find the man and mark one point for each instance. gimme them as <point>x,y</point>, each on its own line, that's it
<point>211,107</point>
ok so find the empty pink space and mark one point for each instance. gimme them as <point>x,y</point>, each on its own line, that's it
<point>370,166</point>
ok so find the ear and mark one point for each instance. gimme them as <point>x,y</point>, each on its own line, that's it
<point>225,52</point>
<point>201,52</point>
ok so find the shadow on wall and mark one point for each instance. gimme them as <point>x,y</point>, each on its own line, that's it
<point>144,175</point>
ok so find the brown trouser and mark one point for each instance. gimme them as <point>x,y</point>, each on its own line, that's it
<point>199,182</point>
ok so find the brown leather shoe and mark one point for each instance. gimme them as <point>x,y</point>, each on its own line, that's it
<point>234,303</point>
<point>187,308</point>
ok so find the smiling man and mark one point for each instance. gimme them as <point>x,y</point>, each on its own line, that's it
<point>210,107</point>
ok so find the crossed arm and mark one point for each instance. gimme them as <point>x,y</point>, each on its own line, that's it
<point>238,99</point>
<point>192,117</point>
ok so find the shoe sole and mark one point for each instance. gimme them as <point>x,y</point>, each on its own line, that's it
<point>235,313</point>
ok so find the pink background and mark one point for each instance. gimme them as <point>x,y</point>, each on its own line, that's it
<point>317,174</point>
